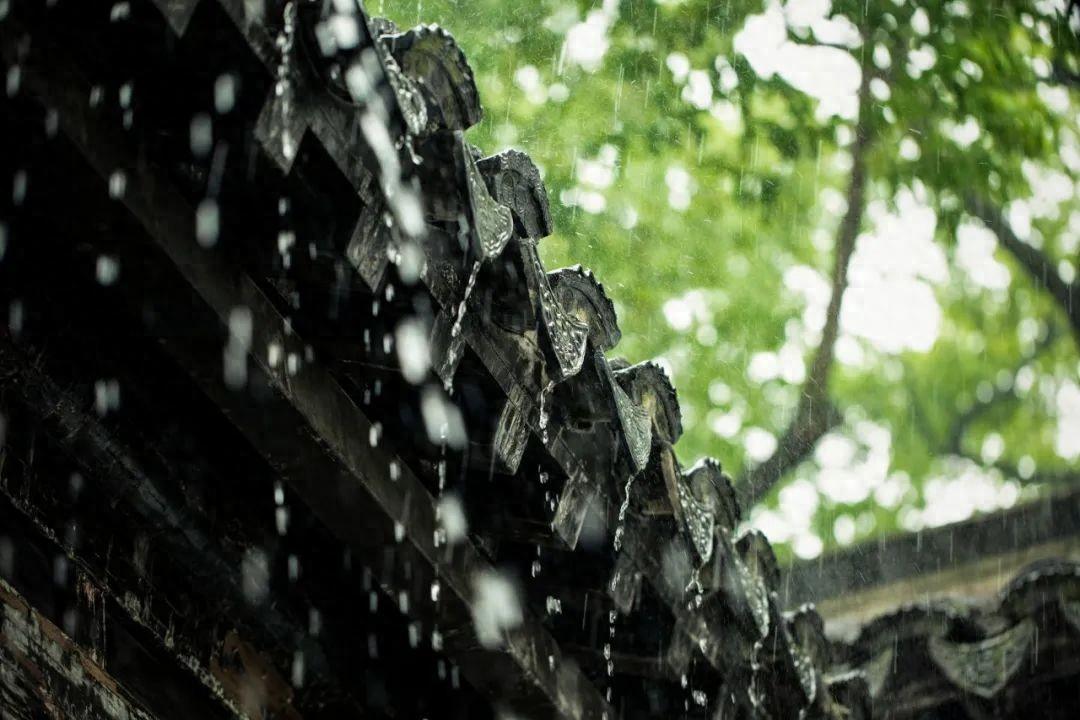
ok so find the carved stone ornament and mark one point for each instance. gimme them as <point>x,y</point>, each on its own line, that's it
<point>492,224</point>
<point>431,58</point>
<point>699,521</point>
<point>568,335</point>
<point>986,666</point>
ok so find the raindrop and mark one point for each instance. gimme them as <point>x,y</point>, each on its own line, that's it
<point>15,317</point>
<point>451,516</point>
<point>120,11</point>
<point>117,184</point>
<point>201,135</point>
<point>456,329</point>
<point>207,223</point>
<point>18,187</point>
<point>255,573</point>
<point>106,396</point>
<point>620,526</point>
<point>14,79</point>
<point>544,411</point>
<point>108,270</point>
<point>52,122</point>
<point>495,608</point>
<point>285,241</point>
<point>297,674</point>
<point>224,93</point>
<point>273,354</point>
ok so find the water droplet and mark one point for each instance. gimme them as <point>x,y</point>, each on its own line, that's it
<point>207,223</point>
<point>108,270</point>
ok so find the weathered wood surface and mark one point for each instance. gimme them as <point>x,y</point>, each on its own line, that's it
<point>43,673</point>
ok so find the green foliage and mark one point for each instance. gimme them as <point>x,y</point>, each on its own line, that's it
<point>700,210</point>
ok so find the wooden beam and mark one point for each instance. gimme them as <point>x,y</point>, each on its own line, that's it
<point>44,673</point>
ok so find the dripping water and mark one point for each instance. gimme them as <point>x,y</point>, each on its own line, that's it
<point>283,87</point>
<point>454,351</point>
<point>544,410</point>
<point>456,330</point>
<point>620,525</point>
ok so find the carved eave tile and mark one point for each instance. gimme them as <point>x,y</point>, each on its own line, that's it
<point>430,57</point>
<point>1070,609</point>
<point>758,553</point>
<point>878,669</point>
<point>698,521</point>
<point>850,692</point>
<point>568,336</point>
<point>512,432</point>
<point>381,26</point>
<point>1029,590</point>
<point>369,247</point>
<point>808,630</point>
<point>578,290</point>
<point>804,668</point>
<point>705,501</point>
<point>515,181</point>
<point>711,485</point>
<point>634,419</point>
<point>490,223</point>
<point>811,652</point>
<point>911,622</point>
<point>579,497</point>
<point>648,385</point>
<point>984,667</point>
<point>365,74</point>
<point>584,422</point>
<point>757,569</point>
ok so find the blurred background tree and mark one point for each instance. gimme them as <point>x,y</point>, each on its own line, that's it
<point>849,229</point>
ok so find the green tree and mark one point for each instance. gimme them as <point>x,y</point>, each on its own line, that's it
<point>850,229</point>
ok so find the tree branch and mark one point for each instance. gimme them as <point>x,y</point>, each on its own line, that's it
<point>1064,76</point>
<point>815,414</point>
<point>954,444</point>
<point>1034,261</point>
